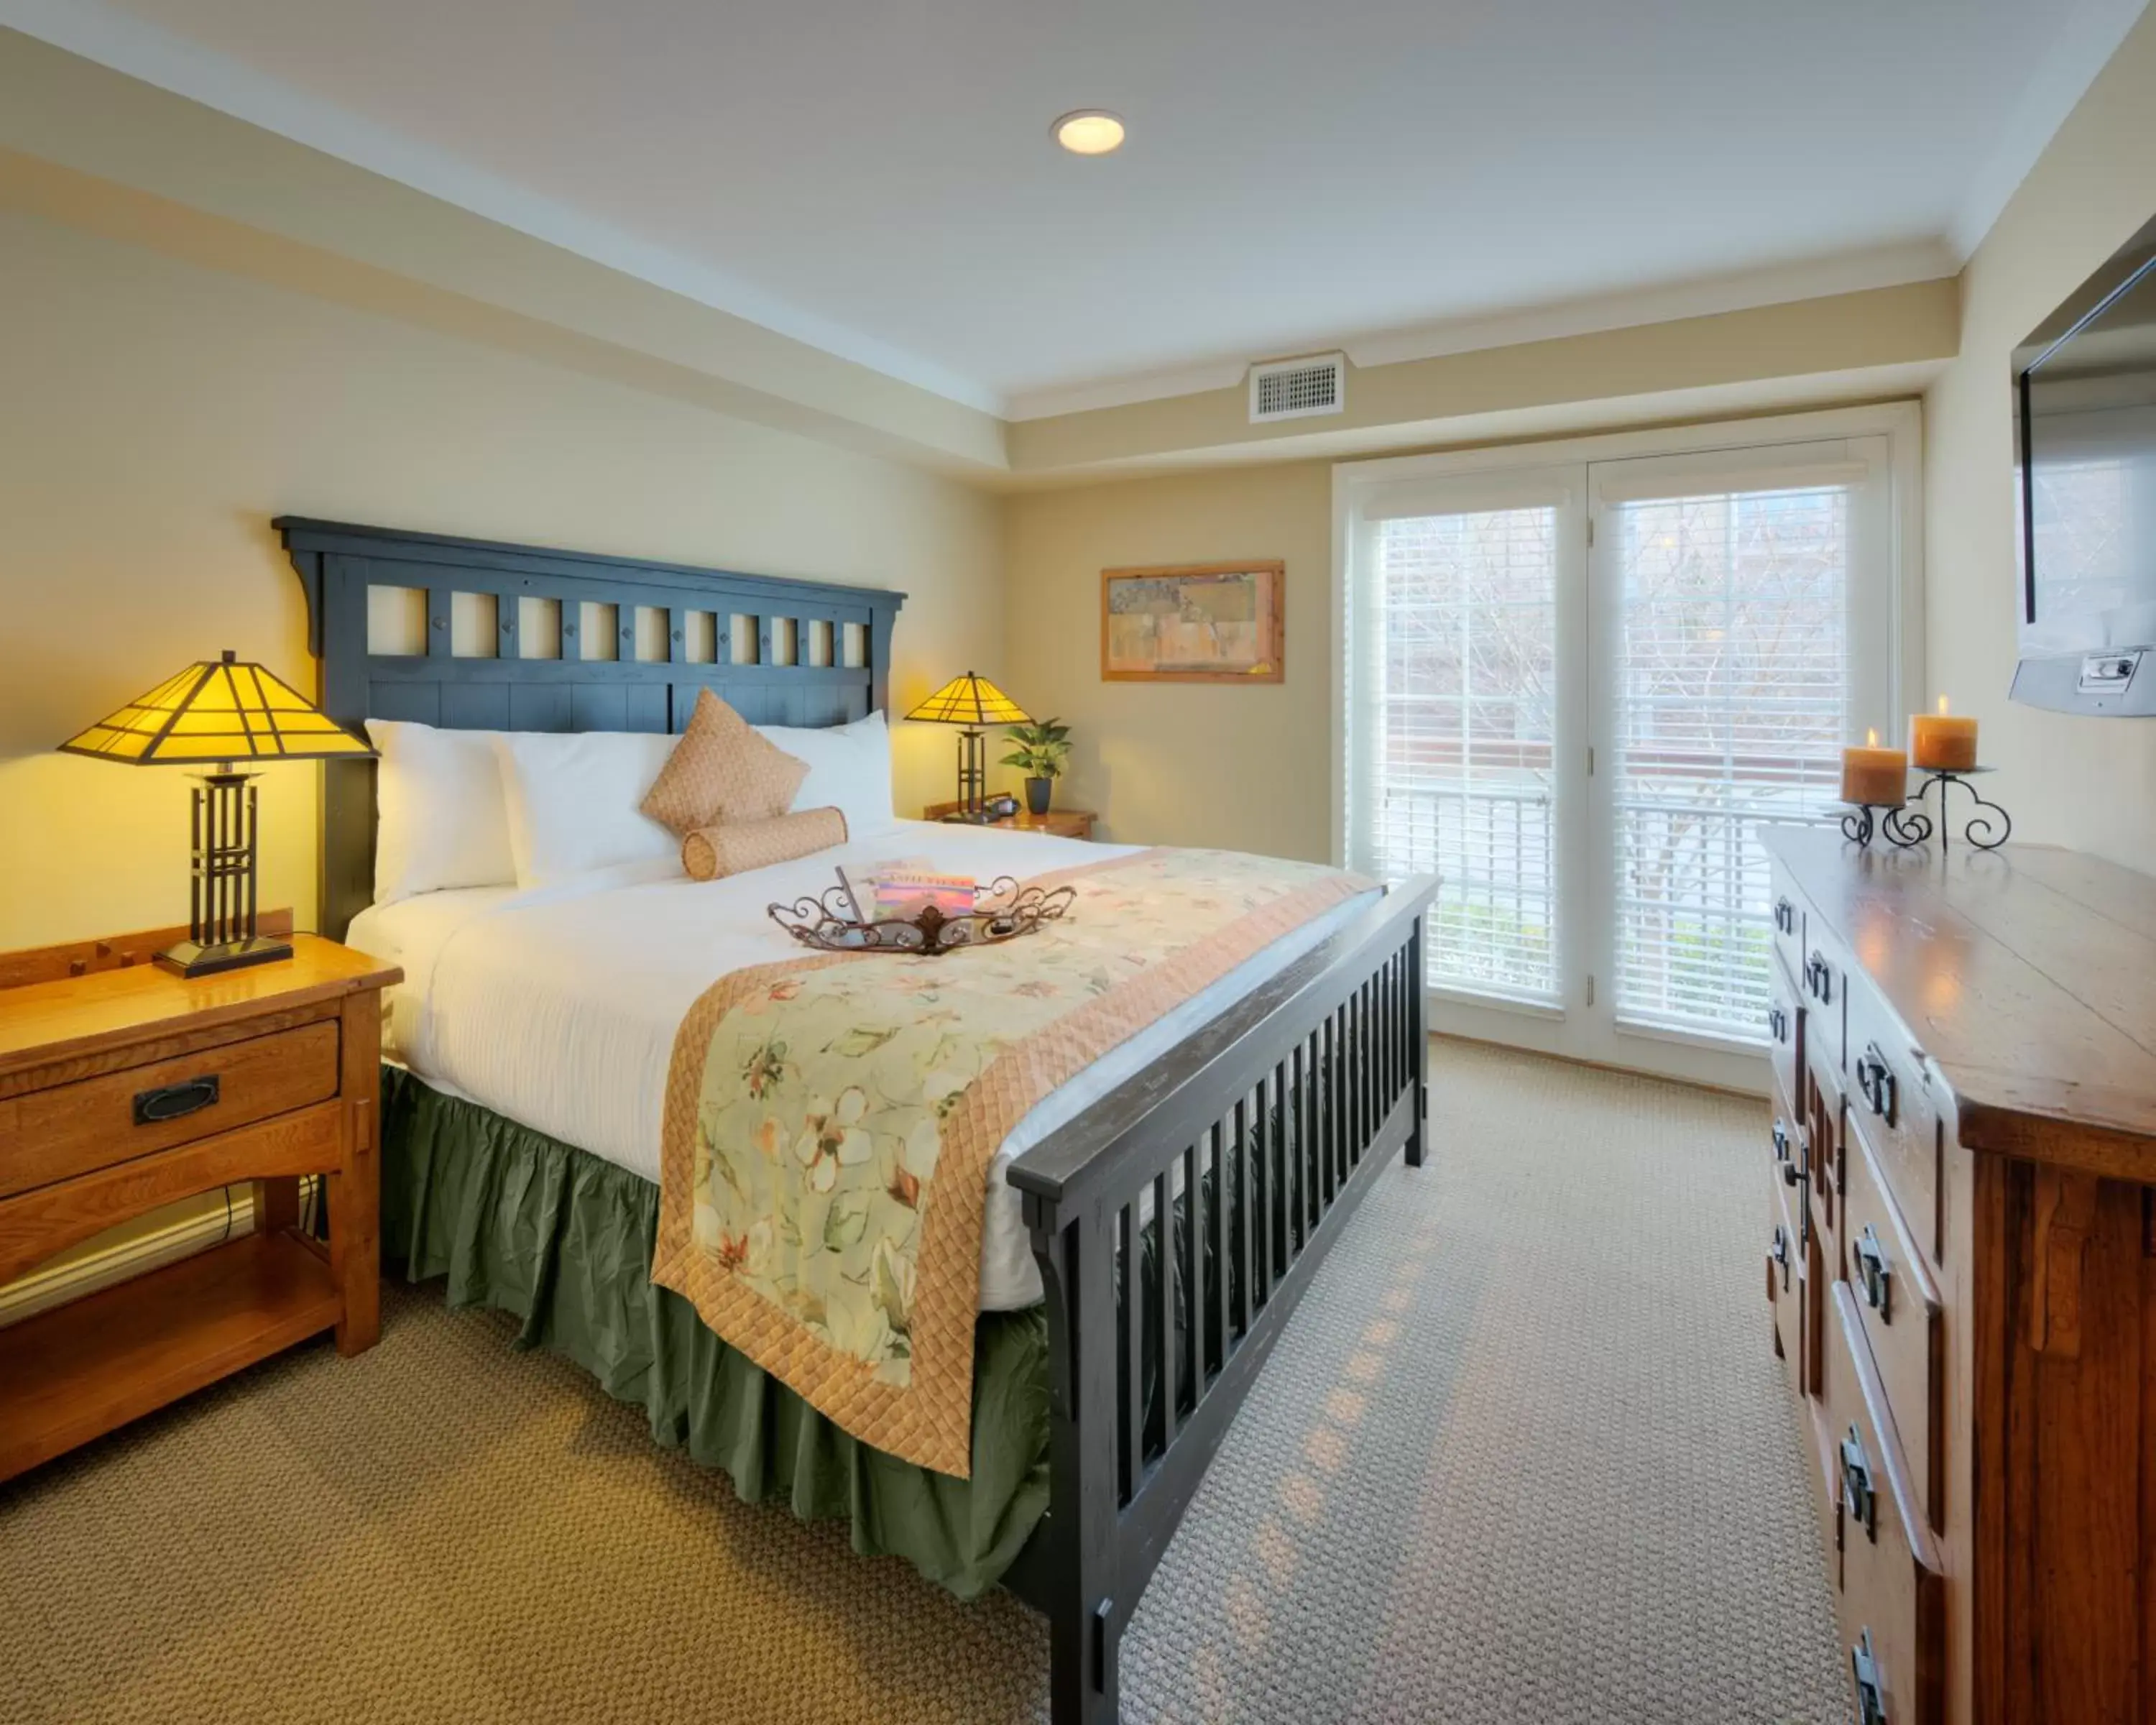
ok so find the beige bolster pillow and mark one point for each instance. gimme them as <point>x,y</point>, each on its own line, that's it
<point>713,853</point>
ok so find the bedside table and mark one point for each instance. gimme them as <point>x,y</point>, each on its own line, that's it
<point>124,1086</point>
<point>1063,823</point>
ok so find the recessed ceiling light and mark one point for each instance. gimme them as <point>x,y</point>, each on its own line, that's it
<point>1090,132</point>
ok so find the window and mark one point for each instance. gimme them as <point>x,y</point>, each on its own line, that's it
<point>1576,692</point>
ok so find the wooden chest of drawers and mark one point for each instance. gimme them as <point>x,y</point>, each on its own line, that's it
<point>1965,1152</point>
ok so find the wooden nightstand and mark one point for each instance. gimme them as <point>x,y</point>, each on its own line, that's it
<point>123,1087</point>
<point>1063,823</point>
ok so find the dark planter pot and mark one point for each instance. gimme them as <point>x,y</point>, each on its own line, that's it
<point>1038,792</point>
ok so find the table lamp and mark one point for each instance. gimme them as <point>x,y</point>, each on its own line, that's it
<point>972,702</point>
<point>213,714</point>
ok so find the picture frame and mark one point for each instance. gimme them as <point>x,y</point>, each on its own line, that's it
<point>1194,622</point>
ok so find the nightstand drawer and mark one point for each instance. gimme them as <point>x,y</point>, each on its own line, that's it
<point>70,1129</point>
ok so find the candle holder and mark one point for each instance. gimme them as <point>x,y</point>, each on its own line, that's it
<point>1981,831</point>
<point>1903,826</point>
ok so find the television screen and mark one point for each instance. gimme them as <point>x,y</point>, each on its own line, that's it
<point>2089,449</point>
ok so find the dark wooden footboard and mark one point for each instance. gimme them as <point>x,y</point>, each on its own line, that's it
<point>1176,1224</point>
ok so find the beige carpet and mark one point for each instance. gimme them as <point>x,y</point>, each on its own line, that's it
<point>1521,1457</point>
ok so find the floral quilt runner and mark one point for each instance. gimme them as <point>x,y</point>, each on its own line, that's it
<point>830,1119</point>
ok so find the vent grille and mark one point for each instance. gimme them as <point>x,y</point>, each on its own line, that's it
<point>1292,388</point>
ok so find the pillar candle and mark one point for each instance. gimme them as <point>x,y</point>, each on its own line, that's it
<point>1874,775</point>
<point>1943,741</point>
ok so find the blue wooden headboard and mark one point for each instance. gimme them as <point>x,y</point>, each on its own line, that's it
<point>780,652</point>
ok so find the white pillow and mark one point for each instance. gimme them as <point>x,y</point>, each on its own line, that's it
<point>573,797</point>
<point>849,770</point>
<point>440,818</point>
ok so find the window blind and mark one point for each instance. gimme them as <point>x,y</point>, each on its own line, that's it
<point>1730,697</point>
<point>1458,723</point>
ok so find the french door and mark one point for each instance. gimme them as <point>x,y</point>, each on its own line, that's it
<point>1575,691</point>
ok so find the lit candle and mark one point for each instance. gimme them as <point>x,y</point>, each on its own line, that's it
<point>1943,741</point>
<point>1873,775</point>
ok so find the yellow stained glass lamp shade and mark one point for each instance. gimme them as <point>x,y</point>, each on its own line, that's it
<point>972,702</point>
<point>215,711</point>
<point>220,714</point>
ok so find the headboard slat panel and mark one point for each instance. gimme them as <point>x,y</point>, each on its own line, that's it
<point>337,563</point>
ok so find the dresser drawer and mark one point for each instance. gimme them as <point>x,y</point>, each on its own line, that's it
<point>1785,1027</point>
<point>1886,1094</point>
<point>1787,914</point>
<point>1898,1309</point>
<point>1893,1603</point>
<point>1822,975</point>
<point>1826,1116</point>
<point>53,1134</point>
<point>1788,1284</point>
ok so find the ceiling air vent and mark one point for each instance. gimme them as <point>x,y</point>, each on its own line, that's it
<point>1295,389</point>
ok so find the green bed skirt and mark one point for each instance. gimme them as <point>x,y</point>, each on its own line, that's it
<point>530,1226</point>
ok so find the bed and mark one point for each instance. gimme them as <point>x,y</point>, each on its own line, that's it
<point>1149,1226</point>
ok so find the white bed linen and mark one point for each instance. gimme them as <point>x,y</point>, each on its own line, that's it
<point>557,1006</point>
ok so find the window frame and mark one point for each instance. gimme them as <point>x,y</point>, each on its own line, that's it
<point>1900,612</point>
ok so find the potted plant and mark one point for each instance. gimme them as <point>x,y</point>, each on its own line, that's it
<point>1044,745</point>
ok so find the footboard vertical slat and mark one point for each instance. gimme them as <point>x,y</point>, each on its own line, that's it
<point>1164,1308</point>
<point>1277,1180</point>
<point>1202,1206</point>
<point>1131,1240</point>
<point>1299,1145</point>
<point>1220,1243</point>
<point>1247,1232</point>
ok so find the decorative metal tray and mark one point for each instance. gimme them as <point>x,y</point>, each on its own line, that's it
<point>1005,912</point>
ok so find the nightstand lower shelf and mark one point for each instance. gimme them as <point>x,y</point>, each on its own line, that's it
<point>83,1369</point>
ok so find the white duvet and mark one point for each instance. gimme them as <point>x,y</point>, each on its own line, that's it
<point>558,1007</point>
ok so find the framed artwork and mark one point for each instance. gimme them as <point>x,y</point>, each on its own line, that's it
<point>1195,622</point>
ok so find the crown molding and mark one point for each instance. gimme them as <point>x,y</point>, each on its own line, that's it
<point>127,44</point>
<point>2081,49</point>
<point>1705,296</point>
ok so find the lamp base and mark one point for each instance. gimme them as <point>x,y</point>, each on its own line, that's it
<point>196,958</point>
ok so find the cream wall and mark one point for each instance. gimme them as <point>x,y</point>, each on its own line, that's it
<point>154,415</point>
<point>1243,767</point>
<point>2090,783</point>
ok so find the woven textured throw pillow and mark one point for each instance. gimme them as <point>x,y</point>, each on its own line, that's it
<point>711,853</point>
<point>721,772</point>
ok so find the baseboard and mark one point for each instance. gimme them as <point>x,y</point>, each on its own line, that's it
<point>42,1290</point>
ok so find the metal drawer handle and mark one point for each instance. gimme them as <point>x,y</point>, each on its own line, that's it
<point>1778,1023</point>
<point>1819,978</point>
<point>174,1101</point>
<point>1877,1273</point>
<point>1785,916</point>
<point>1856,1487</point>
<point>1792,1175</point>
<point>1877,1080</point>
<point>1780,1254</point>
<point>1871,1696</point>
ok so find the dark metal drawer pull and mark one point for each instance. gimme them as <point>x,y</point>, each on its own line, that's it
<point>1819,978</point>
<point>1857,1492</point>
<point>1877,1080</point>
<point>174,1101</point>
<point>1791,1173</point>
<point>1877,1273</point>
<point>1780,1254</point>
<point>1870,1698</point>
<point>1778,1023</point>
<point>1785,916</point>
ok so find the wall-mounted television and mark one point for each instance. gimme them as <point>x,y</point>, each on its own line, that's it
<point>2086,380</point>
